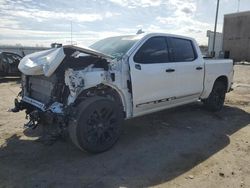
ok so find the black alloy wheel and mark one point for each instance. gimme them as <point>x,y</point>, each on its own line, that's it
<point>98,125</point>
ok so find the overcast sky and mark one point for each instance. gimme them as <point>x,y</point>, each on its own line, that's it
<point>32,22</point>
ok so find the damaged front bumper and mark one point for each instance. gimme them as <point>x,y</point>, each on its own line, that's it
<point>55,114</point>
<point>55,107</point>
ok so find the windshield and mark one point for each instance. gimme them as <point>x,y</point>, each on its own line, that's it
<point>115,46</point>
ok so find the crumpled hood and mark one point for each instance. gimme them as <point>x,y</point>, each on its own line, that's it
<point>47,61</point>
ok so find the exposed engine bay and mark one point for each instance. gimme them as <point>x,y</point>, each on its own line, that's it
<point>55,81</point>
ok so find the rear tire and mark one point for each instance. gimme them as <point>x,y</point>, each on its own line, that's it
<point>216,99</point>
<point>98,125</point>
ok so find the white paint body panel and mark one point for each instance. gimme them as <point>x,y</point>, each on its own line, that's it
<point>213,70</point>
<point>185,85</point>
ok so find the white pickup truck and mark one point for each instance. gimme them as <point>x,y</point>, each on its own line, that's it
<point>88,92</point>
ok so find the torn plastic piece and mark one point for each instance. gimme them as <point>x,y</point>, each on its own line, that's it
<point>83,79</point>
<point>56,107</point>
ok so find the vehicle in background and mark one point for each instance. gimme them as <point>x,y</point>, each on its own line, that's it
<point>88,92</point>
<point>9,63</point>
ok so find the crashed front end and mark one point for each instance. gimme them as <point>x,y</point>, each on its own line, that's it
<point>53,79</point>
<point>44,100</point>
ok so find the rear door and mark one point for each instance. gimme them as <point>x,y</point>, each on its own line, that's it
<point>188,67</point>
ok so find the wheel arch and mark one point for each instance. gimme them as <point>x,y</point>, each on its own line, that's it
<point>104,90</point>
<point>216,98</point>
<point>210,84</point>
<point>222,79</point>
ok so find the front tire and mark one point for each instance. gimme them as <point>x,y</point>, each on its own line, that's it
<point>216,98</point>
<point>98,125</point>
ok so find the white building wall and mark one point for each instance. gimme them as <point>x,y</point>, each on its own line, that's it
<point>218,43</point>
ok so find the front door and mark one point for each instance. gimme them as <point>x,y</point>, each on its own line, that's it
<point>151,75</point>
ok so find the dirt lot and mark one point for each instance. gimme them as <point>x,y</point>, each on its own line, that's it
<point>182,147</point>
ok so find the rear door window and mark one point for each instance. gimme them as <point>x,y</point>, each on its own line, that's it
<point>154,50</point>
<point>16,57</point>
<point>12,58</point>
<point>4,59</point>
<point>181,50</point>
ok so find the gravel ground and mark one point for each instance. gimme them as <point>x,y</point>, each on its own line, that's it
<point>182,147</point>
